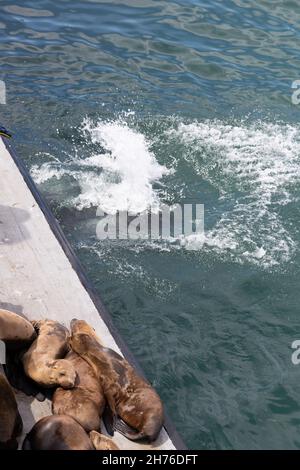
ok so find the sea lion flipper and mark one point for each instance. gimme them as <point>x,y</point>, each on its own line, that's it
<point>113,423</point>
<point>109,419</point>
<point>127,431</point>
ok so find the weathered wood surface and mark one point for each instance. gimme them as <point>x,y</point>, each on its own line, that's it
<point>38,280</point>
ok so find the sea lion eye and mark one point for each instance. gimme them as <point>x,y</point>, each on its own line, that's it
<point>62,373</point>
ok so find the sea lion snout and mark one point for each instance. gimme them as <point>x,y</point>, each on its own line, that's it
<point>64,373</point>
<point>67,383</point>
<point>67,377</point>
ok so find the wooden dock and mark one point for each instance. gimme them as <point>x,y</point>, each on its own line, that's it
<point>42,278</point>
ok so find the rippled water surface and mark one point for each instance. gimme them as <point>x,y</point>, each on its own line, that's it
<point>123,104</point>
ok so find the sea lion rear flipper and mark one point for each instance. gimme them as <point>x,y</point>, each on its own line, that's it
<point>127,431</point>
<point>109,419</point>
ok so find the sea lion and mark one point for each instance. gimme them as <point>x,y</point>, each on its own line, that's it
<point>17,333</point>
<point>58,432</point>
<point>10,420</point>
<point>85,402</point>
<point>101,442</point>
<point>15,330</point>
<point>128,395</point>
<point>43,361</point>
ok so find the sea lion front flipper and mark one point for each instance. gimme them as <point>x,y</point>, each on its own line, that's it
<point>109,419</point>
<point>127,431</point>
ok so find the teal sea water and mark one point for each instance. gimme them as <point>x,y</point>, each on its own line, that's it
<point>135,102</point>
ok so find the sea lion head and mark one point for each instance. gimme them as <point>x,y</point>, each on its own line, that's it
<point>82,327</point>
<point>63,373</point>
<point>82,334</point>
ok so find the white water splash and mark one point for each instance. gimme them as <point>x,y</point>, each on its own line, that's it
<point>47,171</point>
<point>129,169</point>
<point>121,178</point>
<point>256,170</point>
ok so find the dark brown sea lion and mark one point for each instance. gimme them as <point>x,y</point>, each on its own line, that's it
<point>101,442</point>
<point>15,330</point>
<point>128,395</point>
<point>85,402</point>
<point>57,432</point>
<point>10,419</point>
<point>43,361</point>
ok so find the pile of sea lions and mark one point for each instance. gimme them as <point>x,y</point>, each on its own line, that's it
<point>89,382</point>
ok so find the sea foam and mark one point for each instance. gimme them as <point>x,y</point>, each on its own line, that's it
<point>256,169</point>
<point>120,177</point>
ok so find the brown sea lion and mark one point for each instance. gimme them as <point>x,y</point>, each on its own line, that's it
<point>43,361</point>
<point>17,333</point>
<point>10,419</point>
<point>128,395</point>
<point>85,402</point>
<point>101,442</point>
<point>15,330</point>
<point>57,432</point>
